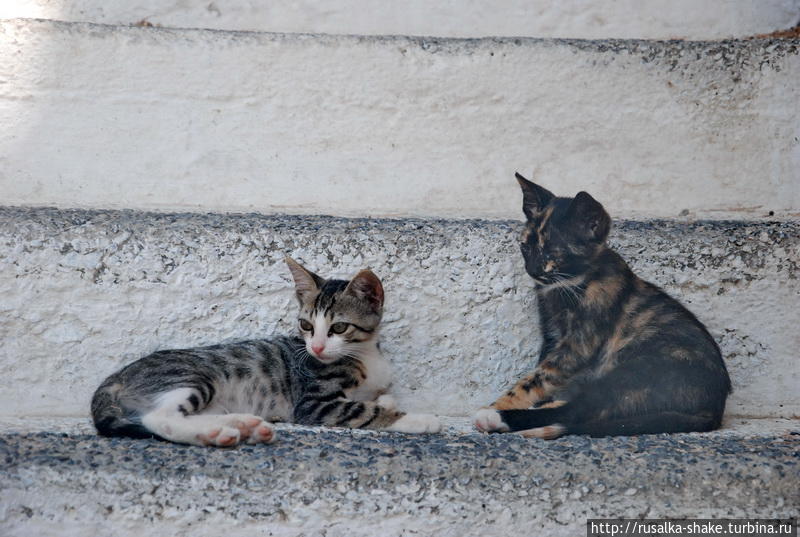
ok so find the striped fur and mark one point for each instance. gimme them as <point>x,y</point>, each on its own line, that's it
<point>619,356</point>
<point>223,395</point>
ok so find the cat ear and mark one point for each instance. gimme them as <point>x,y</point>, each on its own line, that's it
<point>534,197</point>
<point>366,286</point>
<point>590,217</point>
<point>306,283</point>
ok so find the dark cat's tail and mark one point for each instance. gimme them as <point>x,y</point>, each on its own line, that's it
<point>549,423</point>
<point>659,422</point>
<point>627,401</point>
<point>622,404</point>
<point>112,418</point>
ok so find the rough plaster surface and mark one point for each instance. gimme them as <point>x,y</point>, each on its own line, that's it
<point>654,19</point>
<point>154,118</point>
<point>352,483</point>
<point>85,292</point>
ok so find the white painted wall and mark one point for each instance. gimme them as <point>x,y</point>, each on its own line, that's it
<point>148,118</point>
<point>586,19</point>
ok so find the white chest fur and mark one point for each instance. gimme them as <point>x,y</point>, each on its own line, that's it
<point>379,377</point>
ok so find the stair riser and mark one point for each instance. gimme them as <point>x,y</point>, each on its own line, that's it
<point>148,118</point>
<point>655,19</point>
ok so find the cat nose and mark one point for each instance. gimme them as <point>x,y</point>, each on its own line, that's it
<point>318,348</point>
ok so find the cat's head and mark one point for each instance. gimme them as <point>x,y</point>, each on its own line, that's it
<point>562,236</point>
<point>338,318</point>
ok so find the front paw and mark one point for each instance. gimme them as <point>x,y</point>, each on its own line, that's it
<point>488,420</point>
<point>416,423</point>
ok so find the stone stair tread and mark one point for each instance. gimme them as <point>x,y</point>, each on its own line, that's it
<point>733,426</point>
<point>357,483</point>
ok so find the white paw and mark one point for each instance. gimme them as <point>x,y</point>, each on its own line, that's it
<point>232,429</point>
<point>219,436</point>
<point>386,401</point>
<point>416,423</point>
<point>548,432</point>
<point>488,420</point>
<point>252,428</point>
<point>263,433</point>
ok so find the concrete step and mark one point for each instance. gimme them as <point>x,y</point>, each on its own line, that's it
<point>655,19</point>
<point>85,292</point>
<point>154,118</point>
<point>357,483</point>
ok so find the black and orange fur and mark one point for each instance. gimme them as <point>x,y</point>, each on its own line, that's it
<point>620,356</point>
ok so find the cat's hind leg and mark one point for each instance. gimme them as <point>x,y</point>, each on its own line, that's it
<point>172,418</point>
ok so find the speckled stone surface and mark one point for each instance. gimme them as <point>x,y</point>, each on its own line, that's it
<point>85,292</point>
<point>354,483</point>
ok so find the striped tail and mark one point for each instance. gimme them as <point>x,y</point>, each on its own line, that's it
<point>112,419</point>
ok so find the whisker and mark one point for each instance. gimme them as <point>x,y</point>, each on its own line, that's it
<point>299,365</point>
<point>568,292</point>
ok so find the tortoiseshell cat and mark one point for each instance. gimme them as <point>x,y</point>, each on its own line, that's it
<point>620,356</point>
<point>223,395</point>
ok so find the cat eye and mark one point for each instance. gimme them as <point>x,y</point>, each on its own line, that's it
<point>338,328</point>
<point>307,326</point>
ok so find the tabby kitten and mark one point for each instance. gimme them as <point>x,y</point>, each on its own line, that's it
<point>620,356</point>
<point>226,394</point>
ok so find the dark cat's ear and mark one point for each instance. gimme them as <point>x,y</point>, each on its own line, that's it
<point>534,197</point>
<point>366,286</point>
<point>590,218</point>
<point>306,283</point>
